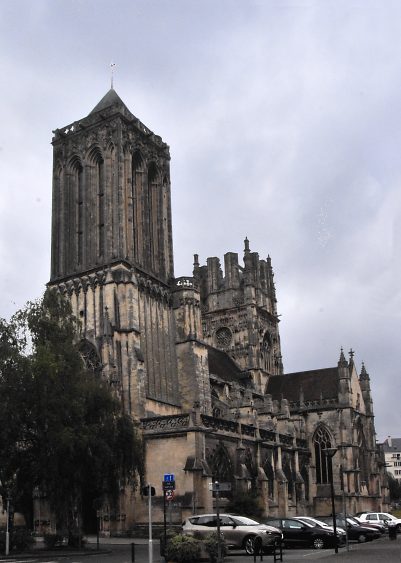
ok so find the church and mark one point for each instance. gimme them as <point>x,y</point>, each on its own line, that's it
<point>196,361</point>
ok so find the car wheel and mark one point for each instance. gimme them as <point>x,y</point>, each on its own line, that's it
<point>318,543</point>
<point>361,538</point>
<point>249,545</point>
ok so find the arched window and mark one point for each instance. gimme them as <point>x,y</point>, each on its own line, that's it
<point>99,183</point>
<point>287,470</point>
<point>322,441</point>
<point>361,461</point>
<point>76,197</point>
<point>221,465</point>
<point>137,205</point>
<point>153,215</point>
<point>305,477</point>
<point>268,469</point>
<point>90,357</point>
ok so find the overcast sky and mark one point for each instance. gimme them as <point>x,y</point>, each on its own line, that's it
<point>284,122</point>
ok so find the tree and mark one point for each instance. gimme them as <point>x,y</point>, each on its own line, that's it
<point>62,430</point>
<point>394,487</point>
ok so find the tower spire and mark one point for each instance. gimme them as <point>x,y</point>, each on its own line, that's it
<point>112,65</point>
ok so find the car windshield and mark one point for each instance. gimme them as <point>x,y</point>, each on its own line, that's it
<point>320,523</point>
<point>243,521</point>
<point>353,521</point>
<point>310,524</point>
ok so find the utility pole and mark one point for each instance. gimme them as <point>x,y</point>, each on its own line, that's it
<point>150,524</point>
<point>216,490</point>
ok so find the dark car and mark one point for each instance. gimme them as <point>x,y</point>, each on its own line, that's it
<point>356,532</point>
<point>376,526</point>
<point>302,534</point>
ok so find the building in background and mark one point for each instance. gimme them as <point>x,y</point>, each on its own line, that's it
<point>392,456</point>
<point>196,360</point>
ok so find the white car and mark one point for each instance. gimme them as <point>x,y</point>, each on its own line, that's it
<point>380,518</point>
<point>238,532</point>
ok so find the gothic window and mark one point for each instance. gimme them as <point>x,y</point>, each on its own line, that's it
<point>90,357</point>
<point>268,469</point>
<point>289,475</point>
<point>153,214</point>
<point>216,412</point>
<point>137,204</point>
<point>305,477</point>
<point>80,212</point>
<point>361,461</point>
<point>251,466</point>
<point>265,350</point>
<point>101,203</point>
<point>223,337</point>
<point>322,441</point>
<point>220,463</point>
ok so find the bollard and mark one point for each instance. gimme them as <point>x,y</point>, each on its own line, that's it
<point>392,532</point>
<point>132,553</point>
<point>258,548</point>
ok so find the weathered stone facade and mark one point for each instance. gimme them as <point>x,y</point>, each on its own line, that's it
<point>196,361</point>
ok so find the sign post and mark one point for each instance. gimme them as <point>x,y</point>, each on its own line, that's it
<point>216,489</point>
<point>150,524</point>
<point>168,485</point>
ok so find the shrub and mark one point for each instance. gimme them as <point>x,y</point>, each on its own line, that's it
<point>53,540</point>
<point>76,539</point>
<point>20,540</point>
<point>211,546</point>
<point>183,549</point>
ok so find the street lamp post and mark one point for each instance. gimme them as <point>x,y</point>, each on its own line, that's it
<point>329,453</point>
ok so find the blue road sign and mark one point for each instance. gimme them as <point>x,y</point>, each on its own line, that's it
<point>168,477</point>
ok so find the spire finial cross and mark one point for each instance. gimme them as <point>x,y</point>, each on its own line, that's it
<point>112,65</point>
<point>351,354</point>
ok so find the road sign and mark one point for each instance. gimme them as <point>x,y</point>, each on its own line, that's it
<point>168,485</point>
<point>168,477</point>
<point>169,495</point>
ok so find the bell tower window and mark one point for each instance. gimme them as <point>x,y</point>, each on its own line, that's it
<point>80,213</point>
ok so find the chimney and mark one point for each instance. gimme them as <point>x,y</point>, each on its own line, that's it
<point>389,442</point>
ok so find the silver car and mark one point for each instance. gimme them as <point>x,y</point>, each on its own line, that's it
<point>238,532</point>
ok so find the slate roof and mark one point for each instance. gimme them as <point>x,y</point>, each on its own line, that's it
<point>395,445</point>
<point>110,99</point>
<point>223,366</point>
<point>314,384</point>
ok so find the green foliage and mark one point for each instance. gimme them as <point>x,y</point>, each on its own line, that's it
<point>394,487</point>
<point>20,540</point>
<point>53,540</point>
<point>246,504</point>
<point>210,544</point>
<point>61,428</point>
<point>183,549</point>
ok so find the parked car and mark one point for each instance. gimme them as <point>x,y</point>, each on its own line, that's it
<point>382,528</point>
<point>319,524</point>
<point>380,518</point>
<point>238,532</point>
<point>302,534</point>
<point>355,531</point>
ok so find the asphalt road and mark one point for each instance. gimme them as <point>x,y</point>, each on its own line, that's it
<point>378,551</point>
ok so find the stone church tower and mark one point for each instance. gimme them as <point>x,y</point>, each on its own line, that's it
<point>112,253</point>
